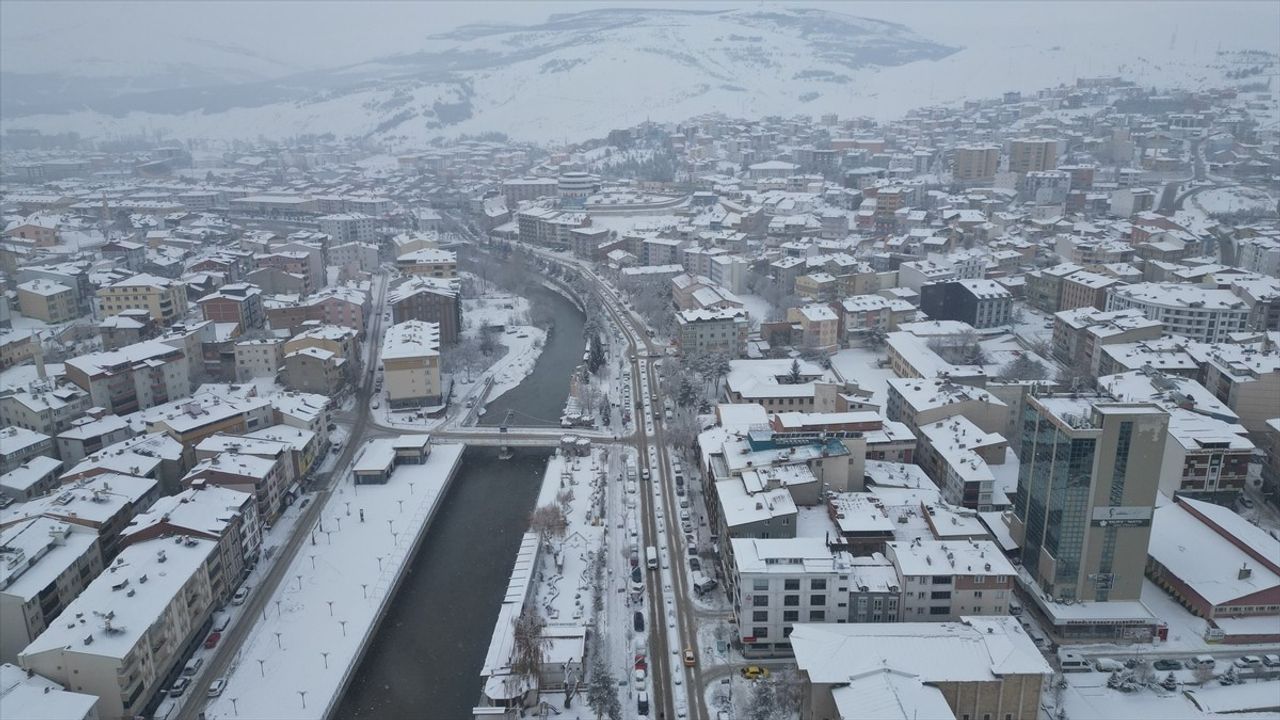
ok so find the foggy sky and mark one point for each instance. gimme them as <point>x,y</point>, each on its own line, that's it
<point>286,37</point>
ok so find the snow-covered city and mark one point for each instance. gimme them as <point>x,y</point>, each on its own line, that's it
<point>705,360</point>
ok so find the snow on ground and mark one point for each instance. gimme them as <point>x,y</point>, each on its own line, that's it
<point>1236,198</point>
<point>862,365</point>
<point>1032,325</point>
<point>1087,697</point>
<point>346,576</point>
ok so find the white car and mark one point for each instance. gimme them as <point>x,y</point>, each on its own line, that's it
<point>240,596</point>
<point>217,686</point>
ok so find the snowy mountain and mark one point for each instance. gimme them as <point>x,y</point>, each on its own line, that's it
<point>573,75</point>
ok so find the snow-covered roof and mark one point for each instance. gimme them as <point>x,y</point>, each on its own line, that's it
<point>740,507</point>
<point>209,509</point>
<point>33,697</point>
<point>783,555</point>
<point>40,549</point>
<point>93,500</point>
<point>949,557</point>
<point>118,609</point>
<point>975,649</point>
<point>1208,558</point>
<point>411,339</point>
<point>30,472</point>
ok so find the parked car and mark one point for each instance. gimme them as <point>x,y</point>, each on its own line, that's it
<point>179,687</point>
<point>193,666</point>
<point>642,703</point>
<point>212,640</point>
<point>1199,660</point>
<point>1167,665</point>
<point>217,686</point>
<point>241,595</point>
<point>637,621</point>
<point>754,672</point>
<point>640,676</point>
<point>695,564</point>
<point>1248,661</point>
<point>1271,660</point>
<point>1108,665</point>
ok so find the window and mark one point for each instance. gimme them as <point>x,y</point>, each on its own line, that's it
<point>941,610</point>
<point>760,632</point>
<point>759,601</point>
<point>791,600</point>
<point>759,584</point>
<point>817,599</point>
<point>817,615</point>
<point>791,584</point>
<point>790,615</point>
<point>818,584</point>
<point>760,616</point>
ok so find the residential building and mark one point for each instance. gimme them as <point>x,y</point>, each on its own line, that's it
<point>33,478</point>
<point>1200,313</point>
<point>916,402</point>
<point>47,300</point>
<point>1086,289</point>
<point>980,303</point>
<point>27,695</point>
<point>1032,154</point>
<point>945,579</point>
<point>349,227</point>
<point>164,299</point>
<point>819,328</point>
<point>863,314</point>
<point>975,164</point>
<point>135,377</point>
<point>91,433</point>
<point>427,299</point>
<point>133,636</point>
<point>43,406</point>
<point>21,444</point>
<point>1079,334</point>
<point>977,668</point>
<point>958,455</point>
<point>702,332</point>
<point>227,517</point>
<point>429,262</point>
<point>411,364</point>
<point>49,563</point>
<point>263,357</point>
<point>315,370</point>
<point>266,476</point>
<point>1246,377</point>
<point>1086,488</point>
<point>776,583</point>
<point>239,303</point>
<point>105,503</point>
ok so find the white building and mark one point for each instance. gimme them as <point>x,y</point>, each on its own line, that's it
<point>23,695</point>
<point>349,227</point>
<point>943,580</point>
<point>1200,313</point>
<point>121,637</point>
<point>411,364</point>
<point>702,332</point>
<point>47,564</point>
<point>779,582</point>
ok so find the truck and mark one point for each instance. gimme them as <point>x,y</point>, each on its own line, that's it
<point>651,557</point>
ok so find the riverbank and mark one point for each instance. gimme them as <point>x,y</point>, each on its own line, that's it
<point>299,657</point>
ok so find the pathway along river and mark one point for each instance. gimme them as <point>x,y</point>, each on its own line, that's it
<point>424,661</point>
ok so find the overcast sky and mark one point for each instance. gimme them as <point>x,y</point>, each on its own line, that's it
<point>296,35</point>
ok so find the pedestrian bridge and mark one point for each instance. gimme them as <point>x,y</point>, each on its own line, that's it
<point>519,437</point>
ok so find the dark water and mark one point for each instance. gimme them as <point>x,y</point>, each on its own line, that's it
<point>424,662</point>
<point>539,400</point>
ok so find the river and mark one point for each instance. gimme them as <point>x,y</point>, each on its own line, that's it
<point>424,662</point>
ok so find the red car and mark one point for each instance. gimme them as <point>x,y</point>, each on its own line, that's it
<point>641,663</point>
<point>212,640</point>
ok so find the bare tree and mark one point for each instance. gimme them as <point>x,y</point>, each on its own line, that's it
<point>1024,367</point>
<point>530,645</point>
<point>549,521</point>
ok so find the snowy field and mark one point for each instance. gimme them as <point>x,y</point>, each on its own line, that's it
<point>1236,198</point>
<point>293,662</point>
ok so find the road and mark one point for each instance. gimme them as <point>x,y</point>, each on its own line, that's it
<point>234,637</point>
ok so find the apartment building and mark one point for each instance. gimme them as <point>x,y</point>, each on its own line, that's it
<point>861,314</point>
<point>264,476</point>
<point>1079,334</point>
<point>427,299</point>
<point>89,434</point>
<point>958,455</point>
<point>1200,313</point>
<point>701,332</point>
<point>946,579</point>
<point>139,616</point>
<point>349,227</point>
<point>26,695</point>
<point>164,300</point>
<point>51,562</point>
<point>776,583</point>
<point>34,477</point>
<point>411,364</point>
<point>819,327</point>
<point>239,303</point>
<point>1086,488</point>
<point>43,406</point>
<point>1032,154</point>
<point>227,517</point>
<point>135,377</point>
<point>429,262</point>
<point>105,503</point>
<point>263,357</point>
<point>980,303</point>
<point>916,402</point>
<point>1245,377</point>
<point>47,300</point>
<point>975,164</point>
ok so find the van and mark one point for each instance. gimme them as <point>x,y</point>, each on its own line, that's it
<point>702,583</point>
<point>1015,608</point>
<point>1072,662</point>
<point>1107,665</point>
<point>651,557</point>
<point>1038,638</point>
